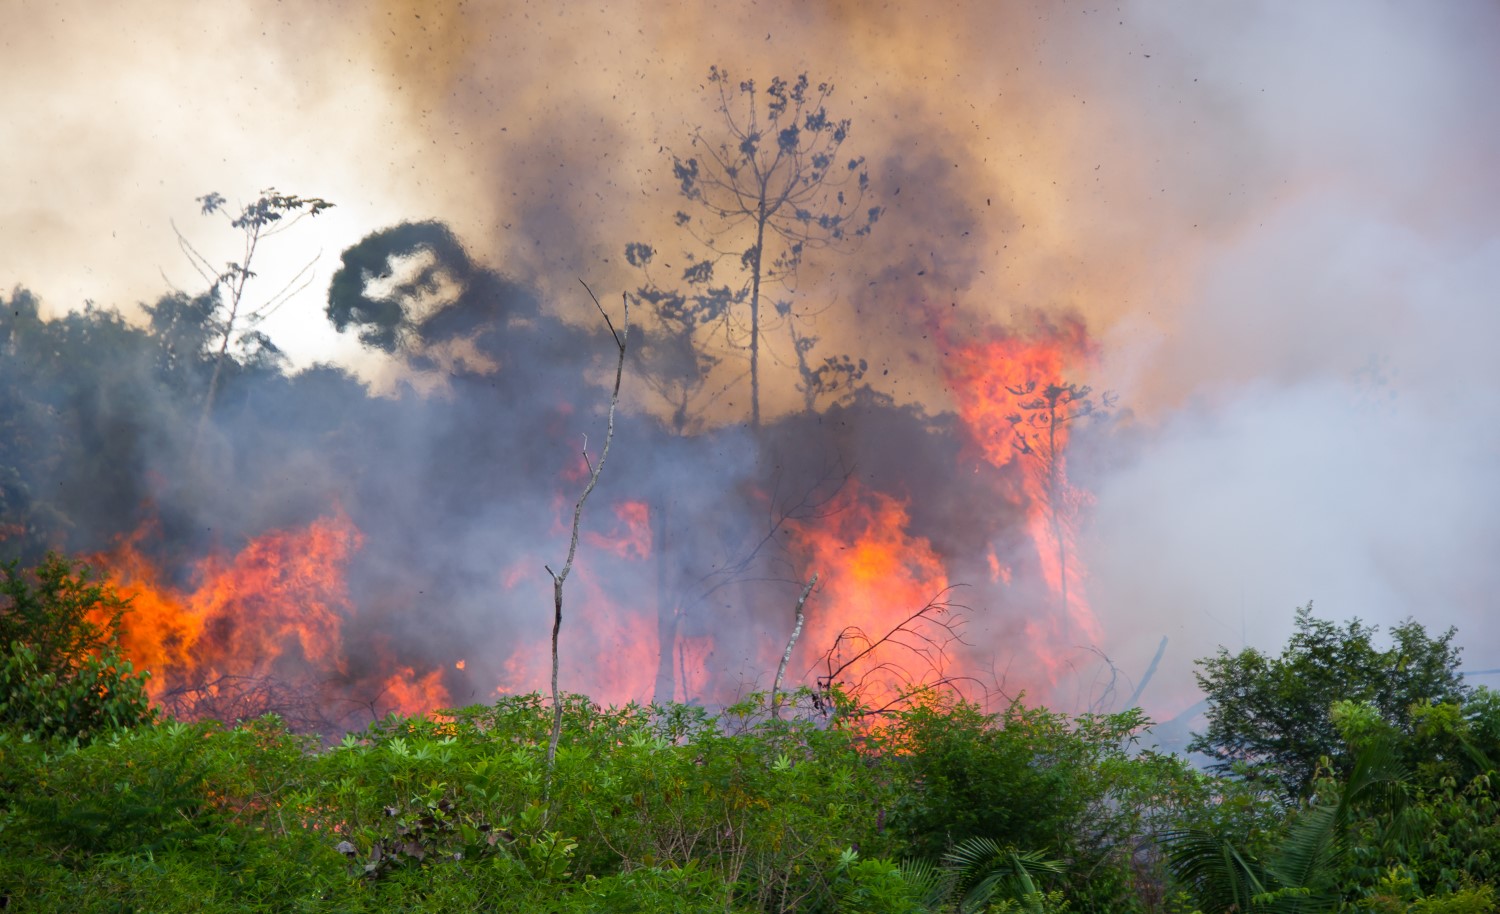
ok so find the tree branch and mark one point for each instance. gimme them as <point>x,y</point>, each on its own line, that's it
<point>791,643</point>
<point>560,577</point>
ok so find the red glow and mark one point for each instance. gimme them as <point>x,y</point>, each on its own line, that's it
<point>874,575</point>
<point>630,537</point>
<point>1009,393</point>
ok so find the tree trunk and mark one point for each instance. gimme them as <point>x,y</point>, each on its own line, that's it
<point>667,616</point>
<point>760,241</point>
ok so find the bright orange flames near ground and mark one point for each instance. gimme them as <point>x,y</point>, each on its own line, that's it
<point>1017,399</point>
<point>874,576</point>
<point>274,610</point>
<point>408,692</point>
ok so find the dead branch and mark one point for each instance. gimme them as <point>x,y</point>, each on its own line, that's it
<point>230,699</point>
<point>923,636</point>
<point>560,577</point>
<point>1135,696</point>
<point>791,643</point>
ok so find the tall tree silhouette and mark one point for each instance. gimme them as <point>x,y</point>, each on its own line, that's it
<point>1040,436</point>
<point>235,317</point>
<point>767,185</point>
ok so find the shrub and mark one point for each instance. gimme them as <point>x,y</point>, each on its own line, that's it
<point>61,671</point>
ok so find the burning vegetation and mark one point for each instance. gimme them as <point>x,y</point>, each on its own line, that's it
<point>303,545</point>
<point>412,580</point>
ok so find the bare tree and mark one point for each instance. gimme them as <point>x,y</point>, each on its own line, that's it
<point>560,577</point>
<point>769,187</point>
<point>791,642</point>
<point>269,214</point>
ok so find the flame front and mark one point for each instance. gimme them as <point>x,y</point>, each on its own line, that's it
<point>273,612</point>
<point>1014,396</point>
<point>277,610</point>
<point>875,577</point>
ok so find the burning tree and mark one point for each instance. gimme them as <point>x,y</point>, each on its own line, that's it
<point>1039,436</point>
<point>768,190</point>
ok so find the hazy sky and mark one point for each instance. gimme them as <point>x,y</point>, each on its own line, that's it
<point>1279,219</point>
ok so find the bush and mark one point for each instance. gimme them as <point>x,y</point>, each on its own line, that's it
<point>61,671</point>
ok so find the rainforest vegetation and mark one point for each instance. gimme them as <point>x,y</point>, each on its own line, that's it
<point>1350,772</point>
<point>1343,774</point>
<point>1379,800</point>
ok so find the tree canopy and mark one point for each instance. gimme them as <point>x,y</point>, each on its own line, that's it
<point>766,184</point>
<point>1271,717</point>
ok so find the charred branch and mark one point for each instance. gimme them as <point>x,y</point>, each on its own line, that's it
<point>559,578</point>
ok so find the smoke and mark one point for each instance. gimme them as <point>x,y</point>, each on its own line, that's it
<point>1277,224</point>
<point>1318,400</point>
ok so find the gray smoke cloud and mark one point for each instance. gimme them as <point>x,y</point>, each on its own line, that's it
<point>1277,221</point>
<point>1326,404</point>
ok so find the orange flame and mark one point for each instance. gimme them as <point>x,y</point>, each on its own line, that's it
<point>282,599</point>
<point>631,536</point>
<point>408,693</point>
<point>1012,395</point>
<point>874,576</point>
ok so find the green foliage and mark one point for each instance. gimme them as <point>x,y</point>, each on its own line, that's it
<point>985,869</point>
<point>1376,839</point>
<point>61,674</point>
<point>1397,893</point>
<point>675,809</point>
<point>1076,790</point>
<point>1010,777</point>
<point>140,790</point>
<point>56,611</point>
<point>98,694</point>
<point>876,885</point>
<point>1272,717</point>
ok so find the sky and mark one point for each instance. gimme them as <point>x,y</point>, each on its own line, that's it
<point>1277,219</point>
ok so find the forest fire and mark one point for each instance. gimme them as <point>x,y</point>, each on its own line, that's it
<point>269,617</point>
<point>643,619</point>
<point>876,577</point>
<point>1014,397</point>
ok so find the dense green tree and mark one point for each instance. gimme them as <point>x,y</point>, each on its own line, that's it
<point>1271,717</point>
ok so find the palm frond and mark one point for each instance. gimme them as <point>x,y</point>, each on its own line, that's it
<point>1222,878</point>
<point>933,882</point>
<point>984,869</point>
<point>1305,865</point>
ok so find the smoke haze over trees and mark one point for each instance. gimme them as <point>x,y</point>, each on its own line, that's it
<point>454,493</point>
<point>1277,228</point>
